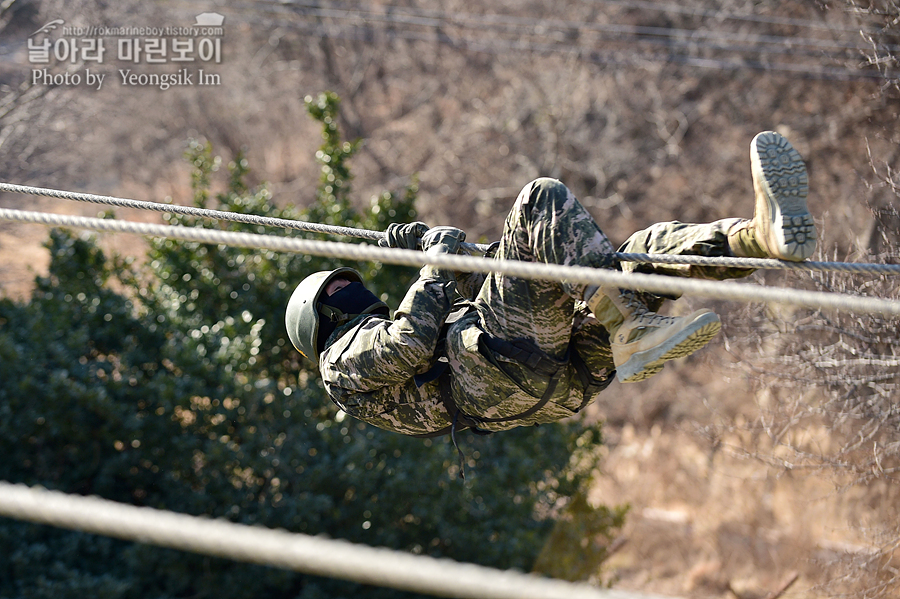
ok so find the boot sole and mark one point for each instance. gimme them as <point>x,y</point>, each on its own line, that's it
<point>781,185</point>
<point>645,364</point>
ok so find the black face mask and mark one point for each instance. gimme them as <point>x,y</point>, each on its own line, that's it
<point>344,305</point>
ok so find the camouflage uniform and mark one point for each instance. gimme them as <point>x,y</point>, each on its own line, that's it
<point>370,364</point>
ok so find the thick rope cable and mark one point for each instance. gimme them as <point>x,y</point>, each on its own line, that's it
<point>252,219</point>
<point>763,263</point>
<point>660,284</point>
<point>318,556</point>
<point>237,217</point>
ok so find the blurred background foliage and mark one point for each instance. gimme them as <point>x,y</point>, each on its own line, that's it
<point>168,382</point>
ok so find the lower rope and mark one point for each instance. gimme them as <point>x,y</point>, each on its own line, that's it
<point>317,556</point>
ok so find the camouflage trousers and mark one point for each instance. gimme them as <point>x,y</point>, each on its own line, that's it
<point>547,224</point>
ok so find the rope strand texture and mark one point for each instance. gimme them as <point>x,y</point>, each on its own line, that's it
<point>471,248</point>
<point>763,263</point>
<point>250,219</point>
<point>302,553</point>
<point>659,284</point>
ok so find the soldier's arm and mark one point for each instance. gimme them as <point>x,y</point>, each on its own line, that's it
<point>469,283</point>
<point>381,352</point>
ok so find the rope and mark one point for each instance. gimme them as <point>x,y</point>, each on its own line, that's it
<point>660,284</point>
<point>252,219</point>
<point>237,217</point>
<point>301,553</point>
<point>763,263</point>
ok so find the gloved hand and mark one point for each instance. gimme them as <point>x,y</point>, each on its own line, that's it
<point>448,237</point>
<point>405,236</point>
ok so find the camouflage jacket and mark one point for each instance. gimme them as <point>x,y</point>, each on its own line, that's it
<point>370,365</point>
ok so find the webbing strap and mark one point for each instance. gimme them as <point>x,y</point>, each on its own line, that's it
<point>524,352</point>
<point>549,367</point>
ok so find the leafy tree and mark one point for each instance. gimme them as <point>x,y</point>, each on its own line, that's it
<point>173,385</point>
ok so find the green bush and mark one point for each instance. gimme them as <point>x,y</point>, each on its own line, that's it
<point>173,385</point>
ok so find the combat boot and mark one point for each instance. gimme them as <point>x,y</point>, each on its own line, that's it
<point>782,226</point>
<point>641,340</point>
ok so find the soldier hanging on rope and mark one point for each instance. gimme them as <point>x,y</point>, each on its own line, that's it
<point>521,352</point>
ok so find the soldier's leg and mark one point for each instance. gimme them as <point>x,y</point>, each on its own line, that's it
<point>546,224</point>
<point>781,227</point>
<point>591,340</point>
<point>678,238</point>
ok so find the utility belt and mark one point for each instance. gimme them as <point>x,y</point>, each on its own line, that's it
<point>527,353</point>
<point>523,351</point>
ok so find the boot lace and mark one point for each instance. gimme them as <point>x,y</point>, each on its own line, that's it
<point>652,319</point>
<point>641,315</point>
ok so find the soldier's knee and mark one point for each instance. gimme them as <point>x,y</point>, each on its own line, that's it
<point>543,194</point>
<point>540,198</point>
<point>548,185</point>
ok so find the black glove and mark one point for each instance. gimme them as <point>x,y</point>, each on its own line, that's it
<point>405,236</point>
<point>449,237</point>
